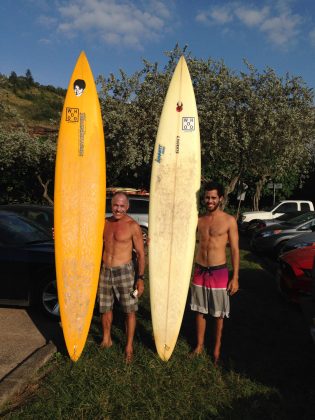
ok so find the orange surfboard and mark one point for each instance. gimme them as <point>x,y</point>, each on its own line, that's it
<point>79,206</point>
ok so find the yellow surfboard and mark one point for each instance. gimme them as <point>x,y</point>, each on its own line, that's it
<point>79,206</point>
<point>173,214</point>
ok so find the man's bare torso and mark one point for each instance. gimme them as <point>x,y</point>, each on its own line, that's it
<point>118,243</point>
<point>213,233</point>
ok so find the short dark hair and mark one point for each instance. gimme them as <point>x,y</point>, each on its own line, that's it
<point>213,185</point>
<point>80,83</point>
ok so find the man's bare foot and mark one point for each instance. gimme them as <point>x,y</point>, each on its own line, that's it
<point>128,356</point>
<point>106,344</point>
<point>198,351</point>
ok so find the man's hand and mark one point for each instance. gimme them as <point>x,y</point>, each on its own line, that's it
<point>232,286</point>
<point>140,287</point>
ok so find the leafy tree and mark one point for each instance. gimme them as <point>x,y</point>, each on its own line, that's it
<point>24,158</point>
<point>29,78</point>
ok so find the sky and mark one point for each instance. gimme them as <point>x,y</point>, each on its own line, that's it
<point>47,36</point>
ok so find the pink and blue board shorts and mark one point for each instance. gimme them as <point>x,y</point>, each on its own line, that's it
<point>208,291</point>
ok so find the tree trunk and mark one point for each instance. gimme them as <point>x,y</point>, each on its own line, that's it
<point>257,196</point>
<point>45,193</point>
<point>230,188</point>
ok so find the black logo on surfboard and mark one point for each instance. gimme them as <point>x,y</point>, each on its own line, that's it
<point>188,123</point>
<point>72,114</point>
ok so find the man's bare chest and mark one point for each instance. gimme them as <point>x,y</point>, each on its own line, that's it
<point>117,233</point>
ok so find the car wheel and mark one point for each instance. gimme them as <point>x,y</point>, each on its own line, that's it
<point>48,298</point>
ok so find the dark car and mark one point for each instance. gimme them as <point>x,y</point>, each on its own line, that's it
<point>43,215</point>
<point>301,241</point>
<point>27,264</point>
<point>271,240</point>
<point>255,225</point>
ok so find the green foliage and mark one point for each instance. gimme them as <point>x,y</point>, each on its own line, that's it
<point>255,127</point>
<point>23,158</point>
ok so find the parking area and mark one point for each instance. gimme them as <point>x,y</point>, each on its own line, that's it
<point>28,341</point>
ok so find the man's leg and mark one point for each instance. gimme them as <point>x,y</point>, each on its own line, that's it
<point>107,319</point>
<point>218,328</point>
<point>130,332</point>
<point>201,323</point>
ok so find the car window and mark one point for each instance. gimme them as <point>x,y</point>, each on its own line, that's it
<point>286,207</point>
<point>108,205</point>
<point>17,231</point>
<point>288,216</point>
<point>139,206</point>
<point>305,207</point>
<point>40,217</point>
<point>301,219</point>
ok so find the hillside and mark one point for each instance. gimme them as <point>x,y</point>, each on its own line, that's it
<point>23,101</point>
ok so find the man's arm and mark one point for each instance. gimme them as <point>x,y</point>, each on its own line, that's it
<point>235,256</point>
<point>139,247</point>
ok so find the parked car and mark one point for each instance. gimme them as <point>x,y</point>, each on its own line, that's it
<point>27,264</point>
<point>257,224</point>
<point>300,241</point>
<point>286,206</point>
<point>43,215</point>
<point>294,276</point>
<point>271,239</point>
<point>138,210</point>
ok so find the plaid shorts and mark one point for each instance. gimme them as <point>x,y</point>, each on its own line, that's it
<point>119,282</point>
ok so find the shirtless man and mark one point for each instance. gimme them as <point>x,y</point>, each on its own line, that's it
<point>211,286</point>
<point>121,235</point>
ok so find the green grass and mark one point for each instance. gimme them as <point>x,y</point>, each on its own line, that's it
<point>267,368</point>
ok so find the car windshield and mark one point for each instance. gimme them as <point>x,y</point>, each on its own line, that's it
<point>288,216</point>
<point>269,208</point>
<point>14,230</point>
<point>305,217</point>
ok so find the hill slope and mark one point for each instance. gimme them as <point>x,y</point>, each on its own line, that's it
<point>24,102</point>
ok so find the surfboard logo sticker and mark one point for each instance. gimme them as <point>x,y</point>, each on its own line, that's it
<point>72,114</point>
<point>160,152</point>
<point>82,133</point>
<point>78,87</point>
<point>179,106</point>
<point>188,123</point>
<point>177,144</point>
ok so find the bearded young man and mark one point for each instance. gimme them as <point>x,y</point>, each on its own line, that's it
<point>211,286</point>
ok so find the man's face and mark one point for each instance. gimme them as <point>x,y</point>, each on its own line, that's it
<point>212,200</point>
<point>119,206</point>
<point>77,90</point>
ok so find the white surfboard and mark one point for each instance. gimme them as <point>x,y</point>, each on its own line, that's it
<point>173,214</point>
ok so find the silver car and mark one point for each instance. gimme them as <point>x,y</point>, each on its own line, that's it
<point>271,240</point>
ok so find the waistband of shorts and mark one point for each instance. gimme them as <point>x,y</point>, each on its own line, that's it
<point>210,268</point>
<point>118,267</point>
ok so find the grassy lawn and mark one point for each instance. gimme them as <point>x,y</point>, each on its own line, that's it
<point>267,372</point>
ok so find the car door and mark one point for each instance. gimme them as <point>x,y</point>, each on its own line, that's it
<point>15,275</point>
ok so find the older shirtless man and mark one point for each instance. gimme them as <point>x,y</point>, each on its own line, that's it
<point>117,278</point>
<point>211,286</point>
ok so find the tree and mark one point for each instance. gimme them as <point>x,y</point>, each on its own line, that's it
<point>29,78</point>
<point>23,158</point>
